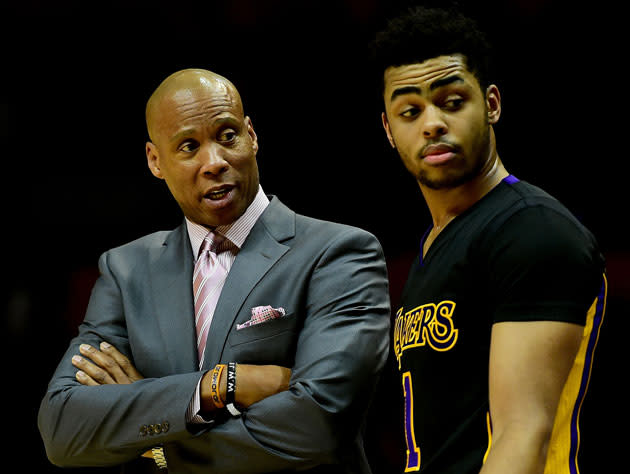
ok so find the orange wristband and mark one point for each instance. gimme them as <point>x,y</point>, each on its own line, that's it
<point>214,385</point>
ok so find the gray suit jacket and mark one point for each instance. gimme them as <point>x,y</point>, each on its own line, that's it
<point>330,278</point>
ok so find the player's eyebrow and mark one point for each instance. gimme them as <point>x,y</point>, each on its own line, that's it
<point>434,85</point>
<point>405,90</point>
<point>445,82</point>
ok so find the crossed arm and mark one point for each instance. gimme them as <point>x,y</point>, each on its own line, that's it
<point>108,366</point>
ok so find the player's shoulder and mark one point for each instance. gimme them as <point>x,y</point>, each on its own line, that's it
<point>535,211</point>
<point>537,224</point>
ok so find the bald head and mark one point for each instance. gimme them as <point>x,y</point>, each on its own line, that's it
<point>203,146</point>
<point>181,84</point>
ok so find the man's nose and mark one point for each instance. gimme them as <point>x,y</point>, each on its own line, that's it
<point>434,124</point>
<point>212,161</point>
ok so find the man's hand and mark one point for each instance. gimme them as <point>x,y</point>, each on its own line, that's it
<point>105,366</point>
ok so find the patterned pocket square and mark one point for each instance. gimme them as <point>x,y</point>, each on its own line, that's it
<point>261,314</point>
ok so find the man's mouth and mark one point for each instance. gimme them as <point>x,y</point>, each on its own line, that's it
<point>219,193</point>
<point>438,154</point>
<point>437,149</point>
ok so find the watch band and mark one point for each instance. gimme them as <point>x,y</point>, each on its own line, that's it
<point>159,458</point>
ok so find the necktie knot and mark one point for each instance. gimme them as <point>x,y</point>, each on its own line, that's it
<point>212,243</point>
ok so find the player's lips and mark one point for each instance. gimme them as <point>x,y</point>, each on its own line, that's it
<point>438,153</point>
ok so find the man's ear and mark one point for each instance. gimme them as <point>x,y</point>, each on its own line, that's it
<point>153,160</point>
<point>387,130</point>
<point>493,104</point>
<point>252,134</point>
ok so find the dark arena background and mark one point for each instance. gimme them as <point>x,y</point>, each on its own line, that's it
<point>75,80</point>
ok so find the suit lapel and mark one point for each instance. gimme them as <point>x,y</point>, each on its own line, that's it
<point>261,250</point>
<point>171,276</point>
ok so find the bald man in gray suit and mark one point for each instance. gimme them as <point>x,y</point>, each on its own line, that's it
<point>132,385</point>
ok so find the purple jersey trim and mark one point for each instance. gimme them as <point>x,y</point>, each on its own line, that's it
<point>511,179</point>
<point>588,361</point>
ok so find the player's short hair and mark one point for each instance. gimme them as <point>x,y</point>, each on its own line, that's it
<point>424,33</point>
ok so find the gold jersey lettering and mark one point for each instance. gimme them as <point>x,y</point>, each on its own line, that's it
<point>429,324</point>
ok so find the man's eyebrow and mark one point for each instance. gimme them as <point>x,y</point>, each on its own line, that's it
<point>225,120</point>
<point>434,85</point>
<point>445,82</point>
<point>405,90</point>
<point>220,122</point>
<point>184,133</point>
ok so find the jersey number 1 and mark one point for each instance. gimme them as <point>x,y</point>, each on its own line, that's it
<point>413,452</point>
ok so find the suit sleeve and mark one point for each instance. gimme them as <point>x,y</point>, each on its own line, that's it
<point>109,424</point>
<point>341,351</point>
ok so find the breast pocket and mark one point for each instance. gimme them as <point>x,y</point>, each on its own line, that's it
<point>271,342</point>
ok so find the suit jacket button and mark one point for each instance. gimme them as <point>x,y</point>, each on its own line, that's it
<point>144,430</point>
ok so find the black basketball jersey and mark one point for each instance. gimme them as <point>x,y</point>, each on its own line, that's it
<point>515,255</point>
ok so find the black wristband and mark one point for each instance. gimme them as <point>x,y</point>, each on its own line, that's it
<point>230,390</point>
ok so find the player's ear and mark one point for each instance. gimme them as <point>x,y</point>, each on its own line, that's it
<point>493,103</point>
<point>388,131</point>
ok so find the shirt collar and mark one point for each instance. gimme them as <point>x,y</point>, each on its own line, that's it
<point>237,231</point>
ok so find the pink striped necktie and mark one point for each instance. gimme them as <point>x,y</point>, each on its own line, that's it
<point>208,280</point>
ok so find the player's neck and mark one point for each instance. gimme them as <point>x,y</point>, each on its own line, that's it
<point>446,204</point>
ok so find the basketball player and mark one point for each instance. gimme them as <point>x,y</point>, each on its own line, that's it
<point>496,327</point>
